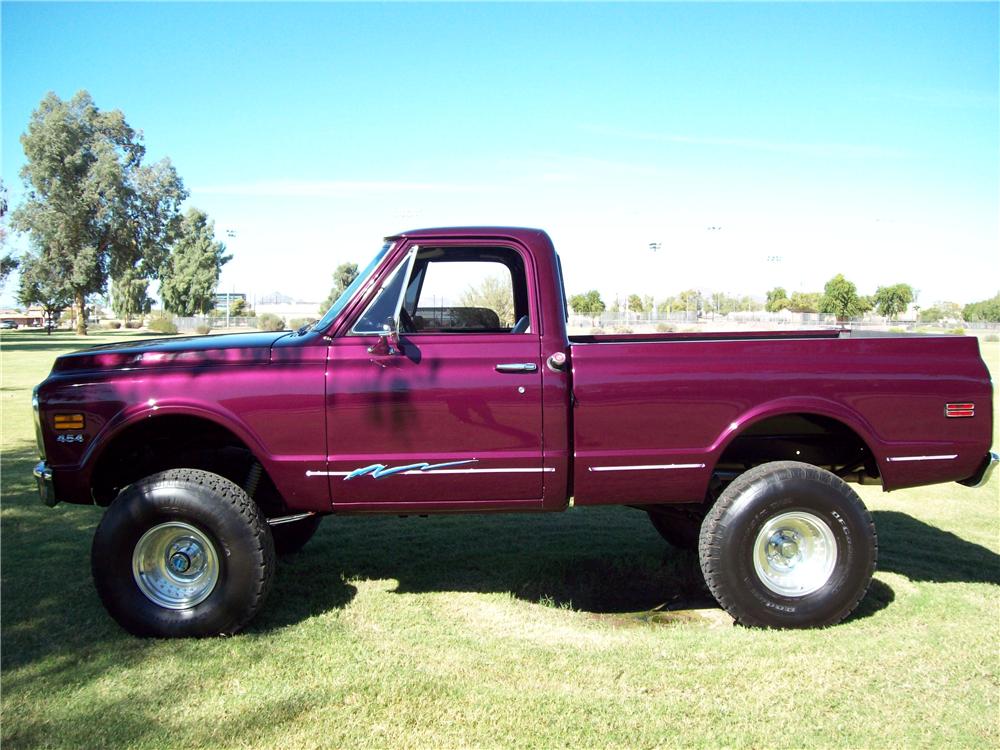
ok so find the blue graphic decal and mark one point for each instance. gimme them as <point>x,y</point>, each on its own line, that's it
<point>381,471</point>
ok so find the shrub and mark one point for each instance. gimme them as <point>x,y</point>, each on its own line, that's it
<point>202,329</point>
<point>112,325</point>
<point>664,328</point>
<point>622,329</point>
<point>162,324</point>
<point>297,323</point>
<point>596,331</point>
<point>897,329</point>
<point>957,331</point>
<point>270,322</point>
<point>991,337</point>
<point>134,324</point>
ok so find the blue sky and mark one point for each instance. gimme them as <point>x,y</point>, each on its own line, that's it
<point>860,139</point>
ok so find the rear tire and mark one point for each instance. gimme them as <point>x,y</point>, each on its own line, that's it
<point>182,553</point>
<point>788,545</point>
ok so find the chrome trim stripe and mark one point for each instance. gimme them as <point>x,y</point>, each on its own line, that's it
<point>647,467</point>
<point>897,459</point>
<point>288,519</point>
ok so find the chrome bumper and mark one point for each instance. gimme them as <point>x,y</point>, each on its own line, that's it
<point>982,475</point>
<point>46,490</point>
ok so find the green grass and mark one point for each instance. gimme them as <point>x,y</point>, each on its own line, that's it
<point>503,630</point>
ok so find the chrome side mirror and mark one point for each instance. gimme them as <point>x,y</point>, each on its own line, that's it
<point>388,340</point>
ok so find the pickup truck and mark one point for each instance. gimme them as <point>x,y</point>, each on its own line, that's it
<point>443,380</point>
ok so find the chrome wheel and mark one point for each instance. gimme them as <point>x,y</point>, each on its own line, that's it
<point>175,565</point>
<point>795,553</point>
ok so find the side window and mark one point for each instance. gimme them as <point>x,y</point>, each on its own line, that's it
<point>467,290</point>
<point>382,309</point>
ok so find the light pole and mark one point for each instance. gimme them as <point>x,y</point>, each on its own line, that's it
<point>231,235</point>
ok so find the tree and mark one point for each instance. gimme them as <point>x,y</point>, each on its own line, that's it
<point>92,206</point>
<point>191,273</point>
<point>777,300</point>
<point>890,301</point>
<point>45,286</point>
<point>343,277</point>
<point>494,293</point>
<point>587,304</point>
<point>8,262</point>
<point>840,297</point>
<point>804,302</point>
<point>238,308</point>
<point>635,303</point>
<point>941,311</point>
<point>129,295</point>
<point>987,309</point>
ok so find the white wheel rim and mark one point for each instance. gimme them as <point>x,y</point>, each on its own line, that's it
<point>795,553</point>
<point>175,565</point>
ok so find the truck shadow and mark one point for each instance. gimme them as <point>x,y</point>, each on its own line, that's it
<point>922,552</point>
<point>605,561</point>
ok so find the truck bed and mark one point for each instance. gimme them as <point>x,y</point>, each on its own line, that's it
<point>652,422</point>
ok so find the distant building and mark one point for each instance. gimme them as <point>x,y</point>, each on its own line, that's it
<point>224,299</point>
<point>33,318</point>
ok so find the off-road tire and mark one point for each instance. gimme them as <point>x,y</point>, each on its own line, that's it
<point>289,538</point>
<point>224,515</point>
<point>733,532</point>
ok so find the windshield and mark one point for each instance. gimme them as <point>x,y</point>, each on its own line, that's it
<point>346,295</point>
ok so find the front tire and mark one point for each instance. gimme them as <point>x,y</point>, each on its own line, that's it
<point>182,553</point>
<point>788,545</point>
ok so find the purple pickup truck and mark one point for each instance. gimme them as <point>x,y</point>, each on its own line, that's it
<point>443,380</point>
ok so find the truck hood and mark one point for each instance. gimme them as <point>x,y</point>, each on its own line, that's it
<point>188,351</point>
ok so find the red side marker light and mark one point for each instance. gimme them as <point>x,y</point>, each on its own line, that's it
<point>960,410</point>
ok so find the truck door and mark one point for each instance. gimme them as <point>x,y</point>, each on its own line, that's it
<point>434,394</point>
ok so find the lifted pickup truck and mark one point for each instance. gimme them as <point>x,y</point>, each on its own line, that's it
<point>443,380</point>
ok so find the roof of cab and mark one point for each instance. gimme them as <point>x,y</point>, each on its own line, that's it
<point>523,234</point>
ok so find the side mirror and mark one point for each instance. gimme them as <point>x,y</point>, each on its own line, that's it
<point>388,340</point>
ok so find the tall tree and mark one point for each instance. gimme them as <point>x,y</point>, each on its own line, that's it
<point>343,277</point>
<point>45,286</point>
<point>890,301</point>
<point>91,205</point>
<point>840,297</point>
<point>191,273</point>
<point>129,294</point>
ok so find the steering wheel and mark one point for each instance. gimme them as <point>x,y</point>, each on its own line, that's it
<point>406,322</point>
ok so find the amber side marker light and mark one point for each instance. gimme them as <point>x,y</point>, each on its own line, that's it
<point>68,421</point>
<point>959,410</point>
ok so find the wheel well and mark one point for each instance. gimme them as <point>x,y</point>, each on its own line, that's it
<point>180,442</point>
<point>810,438</point>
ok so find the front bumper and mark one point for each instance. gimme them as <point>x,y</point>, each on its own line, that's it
<point>46,488</point>
<point>982,475</point>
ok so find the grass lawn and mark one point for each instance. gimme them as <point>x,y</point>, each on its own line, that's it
<point>503,630</point>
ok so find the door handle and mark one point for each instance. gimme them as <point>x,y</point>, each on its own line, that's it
<point>517,367</point>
